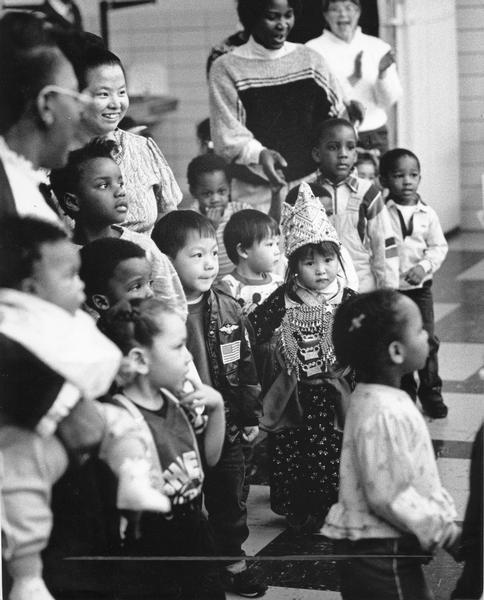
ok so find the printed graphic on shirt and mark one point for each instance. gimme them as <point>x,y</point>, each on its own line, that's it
<point>183,478</point>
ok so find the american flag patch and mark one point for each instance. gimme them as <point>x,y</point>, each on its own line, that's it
<point>230,352</point>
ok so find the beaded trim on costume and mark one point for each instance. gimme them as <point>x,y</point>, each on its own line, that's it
<point>306,339</point>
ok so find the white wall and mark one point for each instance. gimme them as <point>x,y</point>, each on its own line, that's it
<point>470,40</point>
<point>173,36</point>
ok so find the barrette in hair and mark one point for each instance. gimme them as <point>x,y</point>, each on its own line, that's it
<point>356,322</point>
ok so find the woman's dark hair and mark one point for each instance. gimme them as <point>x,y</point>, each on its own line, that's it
<point>29,60</point>
<point>364,326</point>
<point>134,323</point>
<point>66,179</point>
<point>389,159</point>
<point>86,51</point>
<point>21,240</point>
<point>206,163</point>
<point>246,227</point>
<point>171,232</point>
<point>323,248</point>
<point>250,11</point>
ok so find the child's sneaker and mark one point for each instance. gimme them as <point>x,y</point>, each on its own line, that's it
<point>29,588</point>
<point>243,584</point>
<point>135,491</point>
<point>435,410</point>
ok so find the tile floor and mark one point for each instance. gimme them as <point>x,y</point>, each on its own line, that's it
<point>301,568</point>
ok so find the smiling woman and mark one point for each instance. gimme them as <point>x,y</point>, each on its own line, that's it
<point>267,95</point>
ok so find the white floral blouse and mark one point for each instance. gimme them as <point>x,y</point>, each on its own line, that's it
<point>389,482</point>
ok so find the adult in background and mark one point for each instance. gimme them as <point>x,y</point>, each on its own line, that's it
<point>364,65</point>
<point>40,109</point>
<point>267,95</point>
<point>150,186</point>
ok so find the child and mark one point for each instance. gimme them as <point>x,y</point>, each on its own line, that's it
<point>114,270</point>
<point>355,207</point>
<point>90,190</point>
<point>367,167</point>
<point>153,338</point>
<point>422,249</point>
<point>209,180</point>
<point>219,342</point>
<point>391,502</point>
<point>54,363</point>
<point>303,389</point>
<point>251,239</point>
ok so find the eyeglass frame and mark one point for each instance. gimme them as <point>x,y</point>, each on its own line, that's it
<point>57,89</point>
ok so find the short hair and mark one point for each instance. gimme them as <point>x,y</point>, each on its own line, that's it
<point>363,328</point>
<point>87,51</point>
<point>206,163</point>
<point>203,130</point>
<point>389,159</point>
<point>250,11</point>
<point>21,239</point>
<point>66,179</point>
<point>29,60</point>
<point>246,227</point>
<point>99,260</point>
<point>135,322</point>
<point>326,4</point>
<point>327,248</point>
<point>323,127</point>
<point>170,233</point>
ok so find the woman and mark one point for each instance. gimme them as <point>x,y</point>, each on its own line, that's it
<point>365,66</point>
<point>267,94</point>
<point>40,109</point>
<point>150,185</point>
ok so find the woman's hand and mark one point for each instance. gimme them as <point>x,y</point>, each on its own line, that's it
<point>269,161</point>
<point>357,69</point>
<point>386,61</point>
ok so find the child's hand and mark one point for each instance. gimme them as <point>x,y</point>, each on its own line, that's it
<point>202,396</point>
<point>414,275</point>
<point>250,433</point>
<point>452,541</point>
<point>215,214</point>
<point>386,61</point>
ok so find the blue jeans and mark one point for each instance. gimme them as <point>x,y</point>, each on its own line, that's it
<point>226,490</point>
<point>430,388</point>
<point>373,571</point>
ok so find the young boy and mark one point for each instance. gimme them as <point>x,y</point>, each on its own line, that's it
<point>367,167</point>
<point>355,207</point>
<point>251,242</point>
<point>209,181</point>
<point>422,249</point>
<point>54,363</point>
<point>90,190</point>
<point>219,343</point>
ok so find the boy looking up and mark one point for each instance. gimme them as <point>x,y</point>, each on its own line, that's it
<point>219,343</point>
<point>90,190</point>
<point>355,207</point>
<point>422,249</point>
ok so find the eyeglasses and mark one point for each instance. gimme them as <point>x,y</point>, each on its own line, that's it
<point>339,7</point>
<point>83,99</point>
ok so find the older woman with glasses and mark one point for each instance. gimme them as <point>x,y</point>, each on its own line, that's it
<point>365,66</point>
<point>40,109</point>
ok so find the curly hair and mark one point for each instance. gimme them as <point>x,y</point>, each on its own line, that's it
<point>250,11</point>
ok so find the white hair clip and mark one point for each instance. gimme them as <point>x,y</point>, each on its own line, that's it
<point>356,322</point>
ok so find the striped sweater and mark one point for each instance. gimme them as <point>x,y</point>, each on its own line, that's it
<point>271,99</point>
<point>356,208</point>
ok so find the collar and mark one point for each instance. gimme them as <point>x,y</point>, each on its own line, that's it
<point>419,207</point>
<point>337,40</point>
<point>266,278</point>
<point>254,50</point>
<point>351,181</point>
<point>19,162</point>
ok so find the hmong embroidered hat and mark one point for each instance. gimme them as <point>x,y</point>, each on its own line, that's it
<point>306,222</point>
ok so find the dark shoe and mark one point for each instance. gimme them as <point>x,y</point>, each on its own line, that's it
<point>243,584</point>
<point>435,410</point>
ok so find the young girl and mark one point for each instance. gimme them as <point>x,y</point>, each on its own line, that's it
<point>303,389</point>
<point>391,501</point>
<point>153,336</point>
